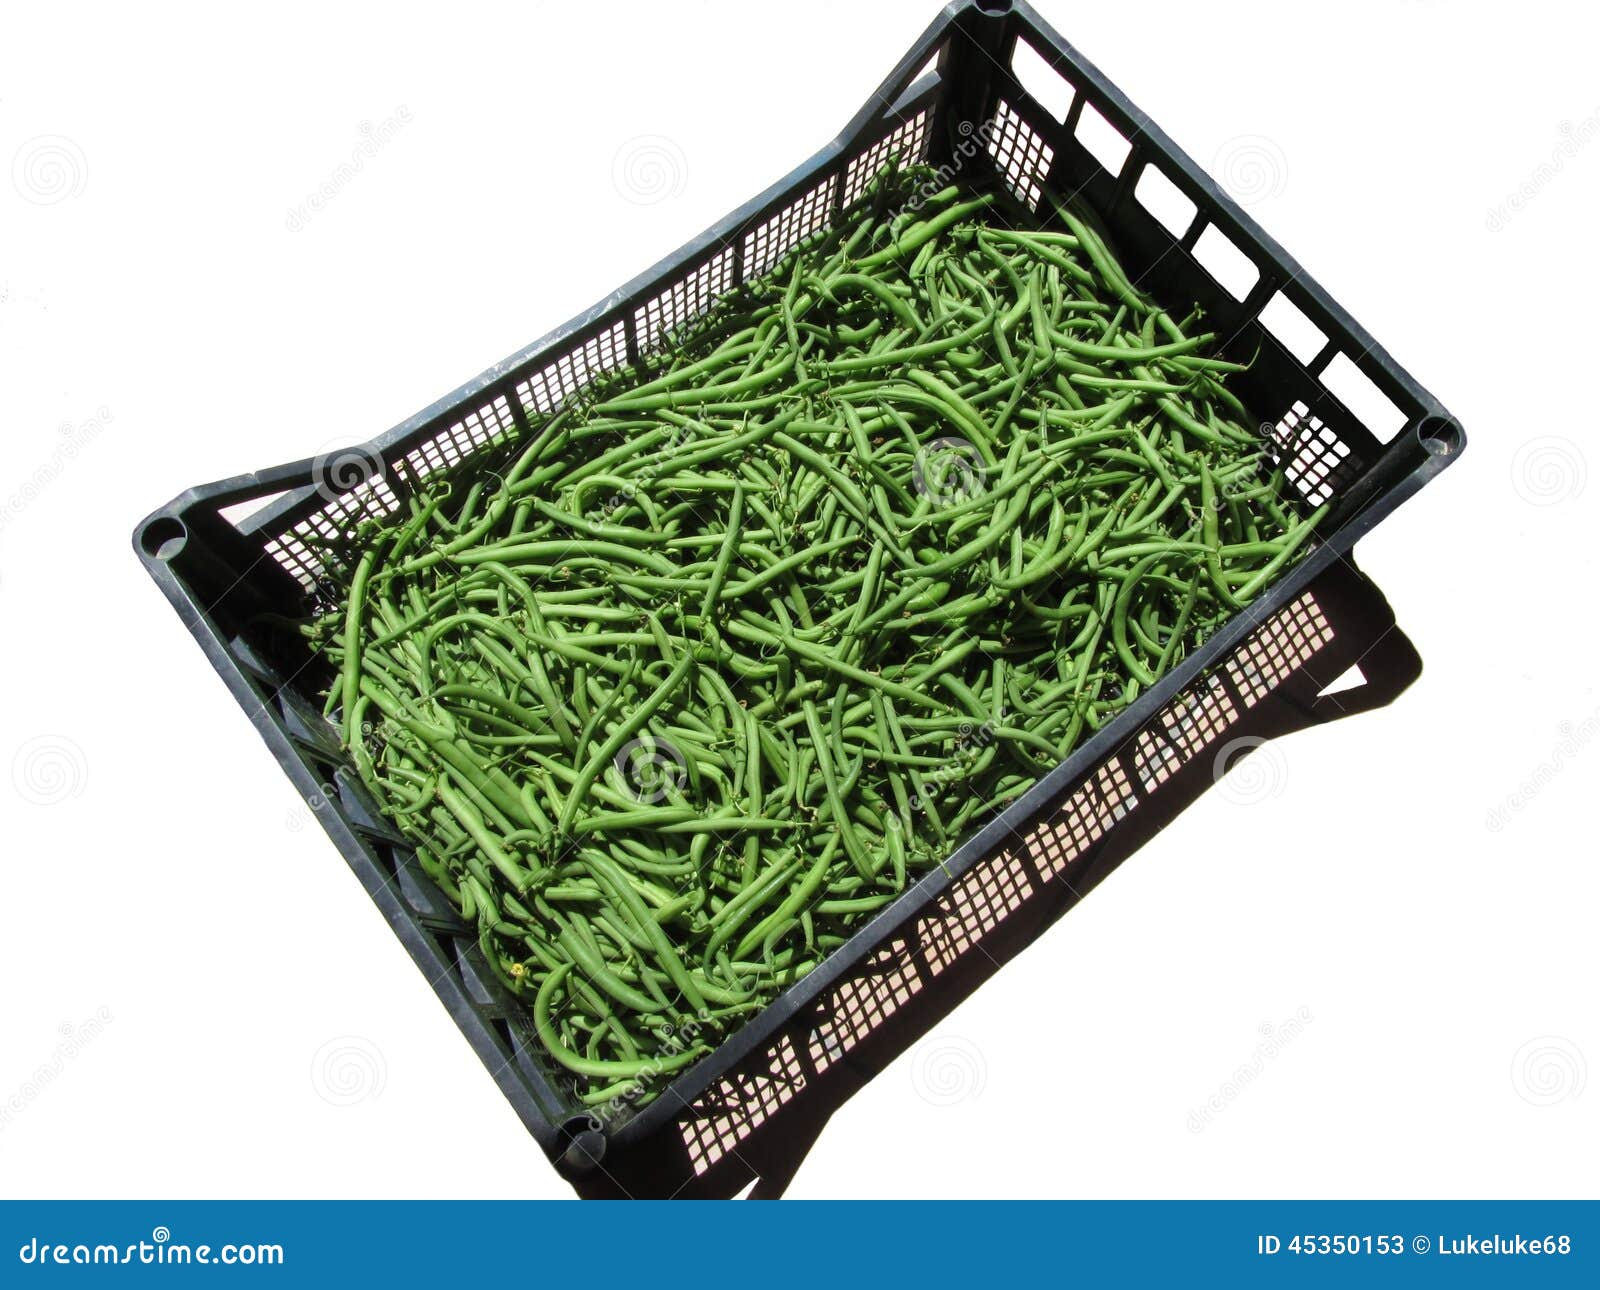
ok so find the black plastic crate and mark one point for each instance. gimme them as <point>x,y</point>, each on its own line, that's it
<point>954,101</point>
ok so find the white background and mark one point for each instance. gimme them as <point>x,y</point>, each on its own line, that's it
<point>162,324</point>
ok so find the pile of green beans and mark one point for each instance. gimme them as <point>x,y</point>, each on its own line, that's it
<point>675,691</point>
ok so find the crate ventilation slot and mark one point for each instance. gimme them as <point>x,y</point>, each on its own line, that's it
<point>1048,88</point>
<point>298,551</point>
<point>1311,453</point>
<point>1273,652</point>
<point>1102,140</point>
<point>739,1104</point>
<point>1021,153</point>
<point>551,386</point>
<point>683,302</point>
<point>1218,255</point>
<point>1297,333</point>
<point>765,245</point>
<point>908,143</point>
<point>1358,392</point>
<point>1171,206</point>
<point>1189,724</point>
<point>492,423</point>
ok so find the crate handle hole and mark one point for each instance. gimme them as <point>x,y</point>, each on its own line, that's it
<point>1439,437</point>
<point>1361,396</point>
<point>1050,89</point>
<point>164,537</point>
<point>1297,333</point>
<point>1102,140</point>
<point>1173,208</point>
<point>584,1144</point>
<point>1220,256</point>
<point>997,8</point>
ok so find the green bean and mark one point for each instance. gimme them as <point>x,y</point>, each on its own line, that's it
<point>574,1061</point>
<point>920,234</point>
